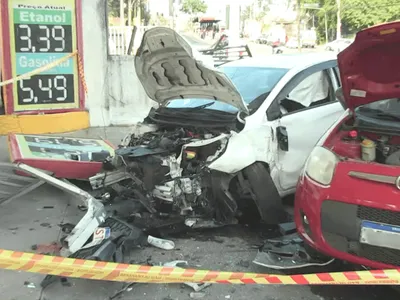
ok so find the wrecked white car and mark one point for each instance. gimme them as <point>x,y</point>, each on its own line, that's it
<point>223,144</point>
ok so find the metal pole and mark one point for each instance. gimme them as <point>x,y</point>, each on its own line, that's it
<point>130,13</point>
<point>326,27</point>
<point>298,26</point>
<point>121,13</point>
<point>339,23</point>
<point>132,40</point>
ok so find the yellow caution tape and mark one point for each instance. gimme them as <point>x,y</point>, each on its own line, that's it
<point>98,270</point>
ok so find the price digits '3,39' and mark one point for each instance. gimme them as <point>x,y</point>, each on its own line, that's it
<point>43,38</point>
<point>46,89</point>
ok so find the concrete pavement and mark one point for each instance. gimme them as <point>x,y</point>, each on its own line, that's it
<point>25,222</point>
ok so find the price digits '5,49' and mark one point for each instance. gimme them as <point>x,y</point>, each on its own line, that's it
<point>43,38</point>
<point>46,89</point>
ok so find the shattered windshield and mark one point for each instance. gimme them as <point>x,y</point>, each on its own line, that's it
<point>251,83</point>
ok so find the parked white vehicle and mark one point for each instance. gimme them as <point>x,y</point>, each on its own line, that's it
<point>292,43</point>
<point>223,140</point>
<point>338,45</point>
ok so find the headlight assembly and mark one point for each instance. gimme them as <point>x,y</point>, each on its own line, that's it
<point>321,165</point>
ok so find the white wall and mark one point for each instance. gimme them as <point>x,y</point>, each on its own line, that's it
<point>126,99</point>
<point>115,95</point>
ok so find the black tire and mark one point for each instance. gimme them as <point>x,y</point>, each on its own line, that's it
<point>265,194</point>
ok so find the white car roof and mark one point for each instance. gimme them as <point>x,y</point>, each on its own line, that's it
<point>285,61</point>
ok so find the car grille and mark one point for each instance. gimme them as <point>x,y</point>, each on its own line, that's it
<point>379,254</point>
<point>345,240</point>
<point>378,215</point>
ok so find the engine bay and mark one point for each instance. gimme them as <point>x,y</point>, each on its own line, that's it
<point>353,141</point>
<point>166,171</point>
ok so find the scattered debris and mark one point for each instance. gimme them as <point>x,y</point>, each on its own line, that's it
<point>51,249</point>
<point>126,288</point>
<point>175,263</point>
<point>48,207</point>
<point>287,228</point>
<point>244,263</point>
<point>288,252</point>
<point>65,282</point>
<point>82,207</point>
<point>29,285</point>
<point>197,287</point>
<point>160,243</point>
<point>109,242</point>
<point>67,227</point>
<point>228,297</point>
<point>46,225</point>
<point>197,295</point>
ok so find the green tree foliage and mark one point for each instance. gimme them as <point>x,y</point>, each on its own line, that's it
<point>113,9</point>
<point>194,6</point>
<point>356,14</point>
<point>360,14</point>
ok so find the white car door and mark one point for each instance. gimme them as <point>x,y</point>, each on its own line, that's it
<point>309,108</point>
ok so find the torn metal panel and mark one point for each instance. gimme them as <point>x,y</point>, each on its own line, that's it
<point>288,252</point>
<point>67,187</point>
<point>110,248</point>
<point>13,185</point>
<point>105,179</point>
<point>95,215</point>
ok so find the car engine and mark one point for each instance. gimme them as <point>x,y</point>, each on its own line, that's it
<point>386,152</point>
<point>166,170</point>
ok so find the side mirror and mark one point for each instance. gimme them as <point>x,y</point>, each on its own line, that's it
<point>282,136</point>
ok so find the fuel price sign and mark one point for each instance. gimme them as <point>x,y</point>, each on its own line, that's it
<point>41,32</point>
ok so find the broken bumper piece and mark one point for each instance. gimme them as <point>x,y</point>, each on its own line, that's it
<point>288,252</point>
<point>95,215</point>
<point>123,237</point>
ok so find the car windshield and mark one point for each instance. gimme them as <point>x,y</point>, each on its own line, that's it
<point>388,109</point>
<point>251,82</point>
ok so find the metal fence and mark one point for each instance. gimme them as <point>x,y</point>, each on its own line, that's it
<point>119,38</point>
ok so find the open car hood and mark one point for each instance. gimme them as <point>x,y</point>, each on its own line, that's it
<point>369,67</point>
<point>168,69</point>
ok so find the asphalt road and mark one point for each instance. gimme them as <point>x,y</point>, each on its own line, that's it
<point>25,222</point>
<point>257,50</point>
<point>197,42</point>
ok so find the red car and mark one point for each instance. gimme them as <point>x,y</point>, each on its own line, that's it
<point>347,202</point>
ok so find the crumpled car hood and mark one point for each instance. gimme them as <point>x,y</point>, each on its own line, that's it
<point>369,66</point>
<point>168,69</point>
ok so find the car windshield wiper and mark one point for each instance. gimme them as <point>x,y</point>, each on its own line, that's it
<point>200,107</point>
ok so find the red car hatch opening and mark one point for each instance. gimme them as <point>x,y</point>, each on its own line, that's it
<point>368,66</point>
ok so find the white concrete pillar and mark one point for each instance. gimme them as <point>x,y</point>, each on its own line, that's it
<point>234,19</point>
<point>95,40</point>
